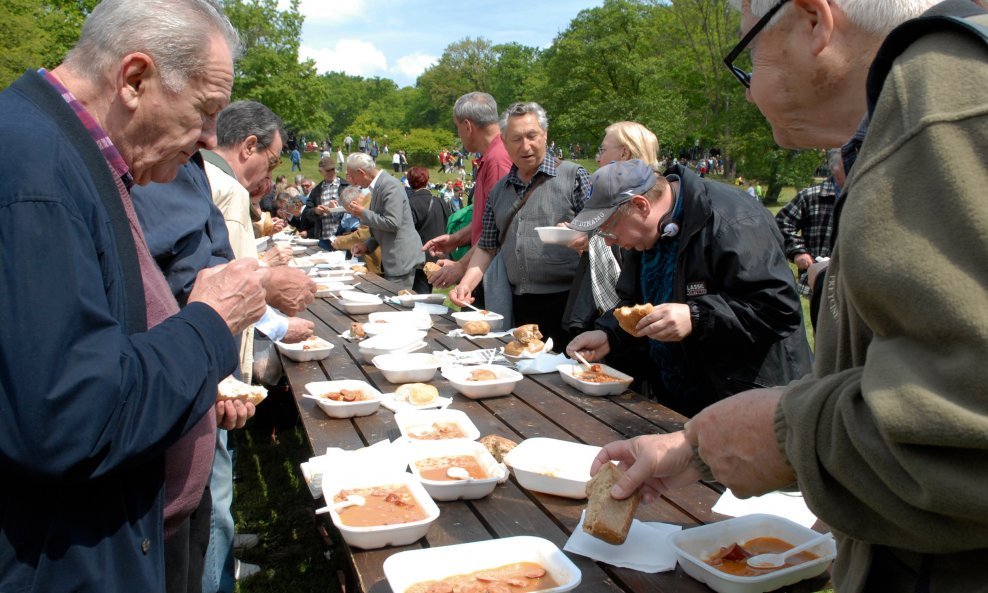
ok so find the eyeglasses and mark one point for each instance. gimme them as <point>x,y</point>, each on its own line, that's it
<point>743,76</point>
<point>273,159</point>
<point>606,230</point>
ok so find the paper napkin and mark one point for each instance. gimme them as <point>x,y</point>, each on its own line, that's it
<point>646,550</point>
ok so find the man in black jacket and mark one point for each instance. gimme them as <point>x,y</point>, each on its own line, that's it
<point>318,219</point>
<point>726,316</point>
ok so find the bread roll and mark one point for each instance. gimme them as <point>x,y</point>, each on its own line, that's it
<point>357,330</point>
<point>527,333</point>
<point>628,317</point>
<point>267,224</point>
<point>482,375</point>
<point>498,446</point>
<point>476,328</point>
<point>358,269</point>
<point>232,389</point>
<point>430,268</point>
<point>417,394</point>
<point>608,519</point>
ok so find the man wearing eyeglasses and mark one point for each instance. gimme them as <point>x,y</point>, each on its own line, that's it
<point>887,439</point>
<point>726,310</point>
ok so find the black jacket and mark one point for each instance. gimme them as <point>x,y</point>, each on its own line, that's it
<point>747,328</point>
<point>429,213</point>
<point>310,221</point>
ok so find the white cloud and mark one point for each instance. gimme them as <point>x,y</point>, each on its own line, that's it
<point>323,11</point>
<point>355,57</point>
<point>412,65</point>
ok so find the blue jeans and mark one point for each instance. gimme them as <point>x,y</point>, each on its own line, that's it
<point>325,244</point>
<point>217,574</point>
<point>299,165</point>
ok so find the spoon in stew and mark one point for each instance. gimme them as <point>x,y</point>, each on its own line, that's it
<point>778,560</point>
<point>582,360</point>
<point>354,500</point>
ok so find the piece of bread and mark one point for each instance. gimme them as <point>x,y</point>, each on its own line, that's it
<point>498,446</point>
<point>608,519</point>
<point>232,389</point>
<point>628,317</point>
<point>482,375</point>
<point>430,268</point>
<point>527,333</point>
<point>476,328</point>
<point>404,292</point>
<point>358,269</point>
<point>357,330</point>
<point>516,348</point>
<point>417,394</point>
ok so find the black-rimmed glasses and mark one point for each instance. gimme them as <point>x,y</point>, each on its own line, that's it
<point>743,76</point>
<point>273,159</point>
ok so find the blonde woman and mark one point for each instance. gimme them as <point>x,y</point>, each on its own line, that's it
<point>600,266</point>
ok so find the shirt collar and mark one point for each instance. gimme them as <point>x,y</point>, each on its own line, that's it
<point>96,131</point>
<point>379,171</point>
<point>548,167</point>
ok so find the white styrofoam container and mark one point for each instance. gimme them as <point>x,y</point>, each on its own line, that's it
<point>552,466</point>
<point>359,302</point>
<point>695,544</point>
<point>369,538</point>
<point>391,343</point>
<point>407,368</point>
<point>568,372</point>
<point>503,385</point>
<point>557,235</point>
<point>389,321</point>
<point>493,319</point>
<point>405,569</point>
<point>417,420</point>
<point>327,288</point>
<point>336,409</point>
<point>468,489</point>
<point>298,353</point>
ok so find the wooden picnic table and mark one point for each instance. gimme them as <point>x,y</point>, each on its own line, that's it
<point>540,406</point>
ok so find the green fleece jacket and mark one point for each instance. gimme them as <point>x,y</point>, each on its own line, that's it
<point>889,438</point>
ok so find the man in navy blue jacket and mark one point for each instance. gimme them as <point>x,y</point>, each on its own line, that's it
<point>102,379</point>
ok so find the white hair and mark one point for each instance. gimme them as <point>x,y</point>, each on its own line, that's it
<point>519,109</point>
<point>361,161</point>
<point>874,16</point>
<point>174,33</point>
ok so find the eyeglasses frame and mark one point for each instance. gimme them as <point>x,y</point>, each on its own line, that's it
<point>745,77</point>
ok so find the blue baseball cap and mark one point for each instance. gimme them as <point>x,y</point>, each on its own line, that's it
<point>613,185</point>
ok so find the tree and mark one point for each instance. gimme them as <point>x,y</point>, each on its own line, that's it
<point>465,66</point>
<point>269,71</point>
<point>34,34</point>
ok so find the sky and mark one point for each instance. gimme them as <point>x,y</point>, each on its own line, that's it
<point>400,39</point>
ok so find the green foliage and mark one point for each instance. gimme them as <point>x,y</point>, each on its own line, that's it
<point>422,145</point>
<point>269,71</point>
<point>38,34</point>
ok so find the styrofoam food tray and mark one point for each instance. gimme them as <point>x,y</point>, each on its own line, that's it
<point>468,489</point>
<point>412,421</point>
<point>336,409</point>
<point>405,569</point>
<point>569,373</point>
<point>494,319</point>
<point>407,368</point>
<point>557,235</point>
<point>298,353</point>
<point>693,545</point>
<point>369,538</point>
<point>503,385</point>
<point>553,466</point>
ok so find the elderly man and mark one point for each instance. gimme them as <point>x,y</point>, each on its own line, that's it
<point>113,401</point>
<point>389,218</point>
<point>726,312</point>
<point>537,191</point>
<point>318,219</point>
<point>887,439</point>
<point>476,119</point>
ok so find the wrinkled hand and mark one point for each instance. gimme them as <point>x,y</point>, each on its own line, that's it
<point>355,208</point>
<point>591,345</point>
<point>461,295</point>
<point>298,330</point>
<point>358,249</point>
<point>290,290</point>
<point>278,224</point>
<point>232,414</point>
<point>449,274</point>
<point>440,245</point>
<point>578,244</point>
<point>803,261</point>
<point>668,322</point>
<point>736,438</point>
<point>322,209</point>
<point>279,255</point>
<point>653,463</point>
<point>235,291</point>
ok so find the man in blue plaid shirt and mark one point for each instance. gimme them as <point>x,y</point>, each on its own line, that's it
<point>807,222</point>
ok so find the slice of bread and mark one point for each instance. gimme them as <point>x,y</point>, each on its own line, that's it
<point>628,317</point>
<point>498,446</point>
<point>231,388</point>
<point>608,519</point>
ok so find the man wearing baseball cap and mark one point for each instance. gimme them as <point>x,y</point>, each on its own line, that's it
<point>726,315</point>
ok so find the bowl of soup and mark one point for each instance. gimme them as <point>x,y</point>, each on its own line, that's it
<point>453,470</point>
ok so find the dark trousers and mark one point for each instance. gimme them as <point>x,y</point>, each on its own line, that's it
<point>547,311</point>
<point>186,549</point>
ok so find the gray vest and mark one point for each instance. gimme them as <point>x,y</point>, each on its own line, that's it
<point>533,266</point>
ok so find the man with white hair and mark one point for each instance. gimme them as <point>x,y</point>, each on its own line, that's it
<point>389,218</point>
<point>108,422</point>
<point>887,439</point>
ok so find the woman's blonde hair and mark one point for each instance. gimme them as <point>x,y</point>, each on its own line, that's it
<point>639,140</point>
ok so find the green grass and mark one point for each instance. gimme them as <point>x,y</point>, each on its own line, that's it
<point>272,500</point>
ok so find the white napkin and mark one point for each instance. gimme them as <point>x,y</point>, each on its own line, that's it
<point>459,333</point>
<point>459,358</point>
<point>389,401</point>
<point>646,550</point>
<point>431,308</point>
<point>789,505</point>
<point>543,363</point>
<point>380,456</point>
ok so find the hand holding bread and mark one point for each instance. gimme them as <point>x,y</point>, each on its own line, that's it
<point>628,317</point>
<point>608,519</point>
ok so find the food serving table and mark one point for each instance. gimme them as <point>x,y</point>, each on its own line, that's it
<point>540,406</point>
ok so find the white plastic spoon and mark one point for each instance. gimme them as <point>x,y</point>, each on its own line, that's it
<point>457,473</point>
<point>777,560</point>
<point>354,500</point>
<point>581,359</point>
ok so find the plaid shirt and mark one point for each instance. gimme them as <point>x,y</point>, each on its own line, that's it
<point>807,224</point>
<point>581,193</point>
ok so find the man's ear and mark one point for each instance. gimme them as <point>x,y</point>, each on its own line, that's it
<point>248,147</point>
<point>136,72</point>
<point>817,20</point>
